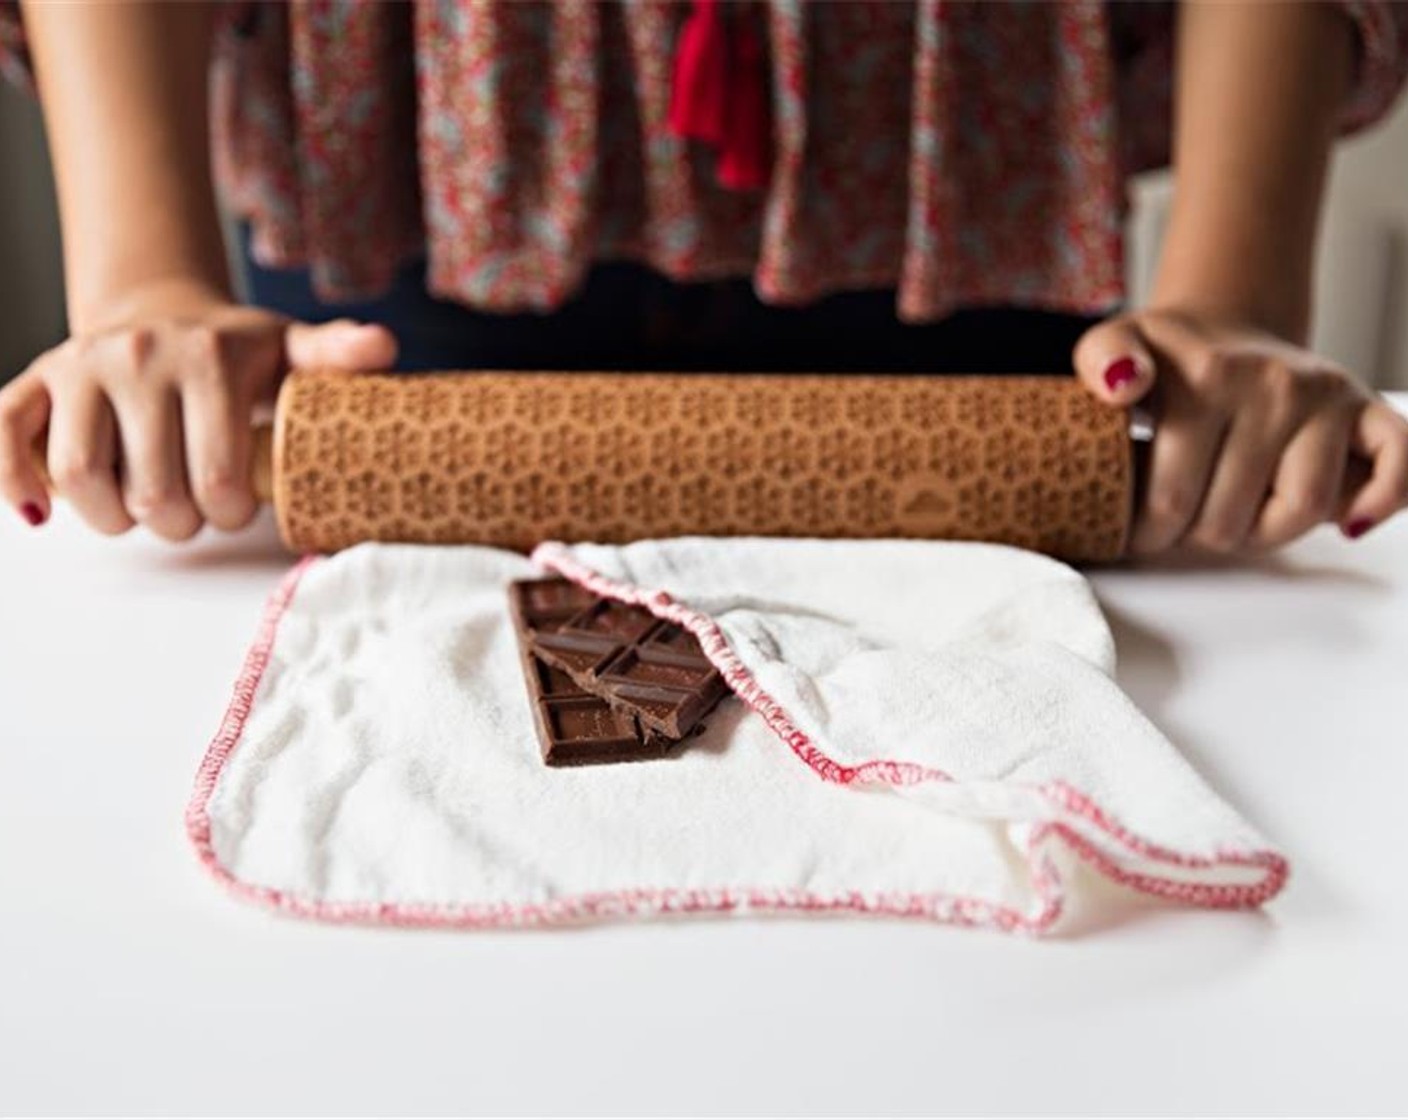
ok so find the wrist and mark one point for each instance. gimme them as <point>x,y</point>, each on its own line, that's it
<point>172,295</point>
<point>1290,325</point>
<point>1274,300</point>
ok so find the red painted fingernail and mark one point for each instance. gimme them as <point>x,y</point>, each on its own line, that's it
<point>1358,527</point>
<point>32,513</point>
<point>1120,373</point>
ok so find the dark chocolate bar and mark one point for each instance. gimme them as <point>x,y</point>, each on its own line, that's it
<point>646,669</point>
<point>651,669</point>
<point>574,726</point>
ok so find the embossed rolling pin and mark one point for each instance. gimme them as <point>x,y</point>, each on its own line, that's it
<point>511,459</point>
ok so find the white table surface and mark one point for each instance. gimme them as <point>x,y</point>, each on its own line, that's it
<point>129,982</point>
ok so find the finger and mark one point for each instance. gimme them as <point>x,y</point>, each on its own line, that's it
<point>83,454</point>
<point>1379,435</point>
<point>154,485</point>
<point>24,412</point>
<point>1306,486</point>
<point>341,344</point>
<point>1180,465</point>
<point>1240,481</point>
<point>1114,363</point>
<point>217,446</point>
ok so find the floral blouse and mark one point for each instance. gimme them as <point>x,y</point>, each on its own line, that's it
<point>960,153</point>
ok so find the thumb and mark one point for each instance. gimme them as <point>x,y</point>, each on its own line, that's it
<point>1113,362</point>
<point>342,344</point>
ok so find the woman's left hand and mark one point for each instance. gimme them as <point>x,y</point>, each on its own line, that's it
<point>1257,441</point>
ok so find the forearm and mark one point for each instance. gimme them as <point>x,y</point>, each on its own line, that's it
<point>124,92</point>
<point>1258,95</point>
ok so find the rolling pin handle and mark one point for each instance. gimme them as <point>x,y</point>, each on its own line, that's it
<point>261,463</point>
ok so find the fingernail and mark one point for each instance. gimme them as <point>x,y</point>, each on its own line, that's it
<point>1358,527</point>
<point>32,513</point>
<point>1120,373</point>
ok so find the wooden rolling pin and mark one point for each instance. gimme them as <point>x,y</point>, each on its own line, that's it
<point>511,459</point>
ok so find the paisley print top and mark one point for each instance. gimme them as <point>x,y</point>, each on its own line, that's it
<point>960,153</point>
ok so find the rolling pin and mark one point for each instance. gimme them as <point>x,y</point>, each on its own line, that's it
<point>512,459</point>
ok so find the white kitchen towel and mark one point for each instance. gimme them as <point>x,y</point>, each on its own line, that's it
<point>921,729</point>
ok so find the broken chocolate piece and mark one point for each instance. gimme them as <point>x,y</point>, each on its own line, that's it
<point>574,726</point>
<point>652,669</point>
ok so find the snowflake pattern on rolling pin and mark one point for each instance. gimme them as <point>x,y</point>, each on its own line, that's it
<point>513,459</point>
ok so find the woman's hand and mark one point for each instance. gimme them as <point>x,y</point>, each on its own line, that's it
<point>148,415</point>
<point>147,408</point>
<point>1257,441</point>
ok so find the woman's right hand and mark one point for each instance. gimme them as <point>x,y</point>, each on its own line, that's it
<point>148,415</point>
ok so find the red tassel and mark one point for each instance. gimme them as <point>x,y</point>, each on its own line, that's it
<point>746,156</point>
<point>697,98</point>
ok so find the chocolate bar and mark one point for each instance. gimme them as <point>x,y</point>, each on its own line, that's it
<point>574,726</point>
<point>650,674</point>
<point>655,670</point>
